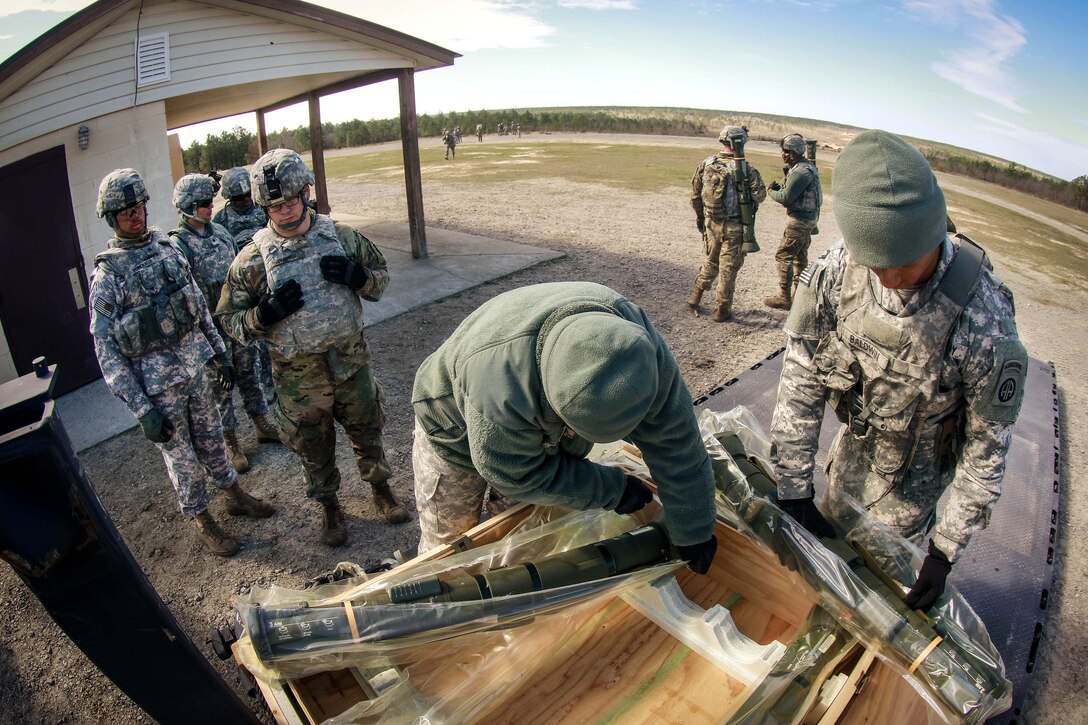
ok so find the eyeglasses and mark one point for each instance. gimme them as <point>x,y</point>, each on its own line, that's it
<point>127,215</point>
<point>289,203</point>
<point>201,203</point>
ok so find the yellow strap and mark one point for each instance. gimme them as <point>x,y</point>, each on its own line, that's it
<point>355,628</point>
<point>925,653</point>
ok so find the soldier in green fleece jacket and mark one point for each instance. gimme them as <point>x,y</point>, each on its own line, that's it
<point>515,398</point>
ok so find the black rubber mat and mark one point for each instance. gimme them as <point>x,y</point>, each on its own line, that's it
<point>1006,573</point>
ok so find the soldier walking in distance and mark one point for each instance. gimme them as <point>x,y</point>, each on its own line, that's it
<point>450,140</point>
<point>802,196</point>
<point>209,249</point>
<point>153,334</point>
<point>908,334</point>
<point>479,132</point>
<point>718,217</point>
<point>299,286</point>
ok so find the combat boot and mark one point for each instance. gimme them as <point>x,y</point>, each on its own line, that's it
<point>723,313</point>
<point>780,301</point>
<point>393,512</point>
<point>240,503</point>
<point>333,531</point>
<point>696,296</point>
<point>234,451</point>
<point>208,531</point>
<point>266,429</point>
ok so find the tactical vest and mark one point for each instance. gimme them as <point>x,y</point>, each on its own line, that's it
<point>883,378</point>
<point>332,314</point>
<point>159,306</point>
<point>243,225</point>
<point>720,189</point>
<point>812,198</point>
<point>209,259</point>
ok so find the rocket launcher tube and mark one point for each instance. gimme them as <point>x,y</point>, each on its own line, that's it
<point>492,595</point>
<point>964,679</point>
<point>744,195</point>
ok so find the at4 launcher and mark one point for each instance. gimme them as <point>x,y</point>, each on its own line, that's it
<point>958,671</point>
<point>741,176</point>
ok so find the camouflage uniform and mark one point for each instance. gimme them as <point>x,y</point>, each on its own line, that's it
<point>241,225</point>
<point>928,384</point>
<point>149,373</point>
<point>210,254</point>
<point>450,139</point>
<point>320,361</point>
<point>802,196</point>
<point>714,198</point>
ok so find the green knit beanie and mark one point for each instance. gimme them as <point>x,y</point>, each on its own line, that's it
<point>889,208</point>
<point>600,374</point>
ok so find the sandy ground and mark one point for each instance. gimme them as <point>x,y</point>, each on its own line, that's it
<point>642,244</point>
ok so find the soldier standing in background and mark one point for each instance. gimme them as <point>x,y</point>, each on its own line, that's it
<point>240,215</point>
<point>243,218</point>
<point>479,132</point>
<point>450,140</point>
<point>153,334</point>
<point>717,216</point>
<point>909,335</point>
<point>300,286</point>
<point>210,249</point>
<point>802,196</point>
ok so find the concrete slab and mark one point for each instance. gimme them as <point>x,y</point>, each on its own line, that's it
<point>456,261</point>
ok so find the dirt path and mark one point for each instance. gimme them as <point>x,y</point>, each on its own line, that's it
<point>644,245</point>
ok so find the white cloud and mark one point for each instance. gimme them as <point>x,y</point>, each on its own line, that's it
<point>465,26</point>
<point>11,7</point>
<point>598,4</point>
<point>990,41</point>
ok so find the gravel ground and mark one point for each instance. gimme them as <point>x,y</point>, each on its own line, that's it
<point>641,244</point>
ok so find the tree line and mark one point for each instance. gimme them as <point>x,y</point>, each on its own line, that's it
<point>238,147</point>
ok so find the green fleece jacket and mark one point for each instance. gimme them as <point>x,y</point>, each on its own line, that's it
<point>481,400</point>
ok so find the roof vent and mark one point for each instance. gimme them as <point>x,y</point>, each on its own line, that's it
<point>152,59</point>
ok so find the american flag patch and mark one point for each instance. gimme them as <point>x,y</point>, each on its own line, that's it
<point>103,307</point>
<point>806,276</point>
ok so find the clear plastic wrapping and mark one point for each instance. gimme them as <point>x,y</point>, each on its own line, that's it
<point>459,661</point>
<point>947,655</point>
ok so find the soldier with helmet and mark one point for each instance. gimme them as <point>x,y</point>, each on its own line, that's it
<point>718,217</point>
<point>299,286</point>
<point>802,196</point>
<point>153,335</point>
<point>210,249</point>
<point>905,330</point>
<point>240,215</point>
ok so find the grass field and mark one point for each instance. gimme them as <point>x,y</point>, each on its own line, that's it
<point>1013,236</point>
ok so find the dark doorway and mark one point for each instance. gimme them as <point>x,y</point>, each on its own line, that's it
<point>43,288</point>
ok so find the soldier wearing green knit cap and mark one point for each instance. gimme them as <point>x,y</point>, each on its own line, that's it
<point>905,330</point>
<point>515,398</point>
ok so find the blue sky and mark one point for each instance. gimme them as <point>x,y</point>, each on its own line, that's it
<point>1003,77</point>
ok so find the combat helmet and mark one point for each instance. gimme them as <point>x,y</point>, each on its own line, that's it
<point>235,183</point>
<point>121,189</point>
<point>794,143</point>
<point>727,134</point>
<point>278,175</point>
<point>190,190</point>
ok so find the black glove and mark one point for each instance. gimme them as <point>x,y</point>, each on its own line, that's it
<point>699,556</point>
<point>804,512</point>
<point>700,224</point>
<point>157,428</point>
<point>285,301</point>
<point>930,583</point>
<point>635,496</point>
<point>342,270</point>
<point>775,186</point>
<point>224,370</point>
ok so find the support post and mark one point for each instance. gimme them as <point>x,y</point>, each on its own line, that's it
<point>262,134</point>
<point>317,155</point>
<point>413,184</point>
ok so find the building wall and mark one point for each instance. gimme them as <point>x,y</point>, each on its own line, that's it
<point>211,50</point>
<point>134,138</point>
